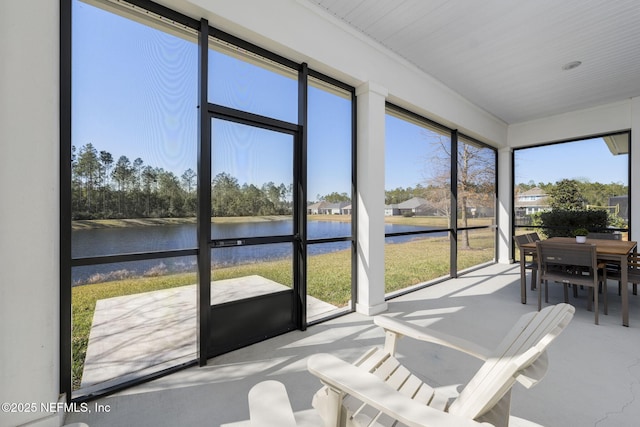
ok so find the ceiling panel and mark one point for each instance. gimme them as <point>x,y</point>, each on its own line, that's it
<point>506,56</point>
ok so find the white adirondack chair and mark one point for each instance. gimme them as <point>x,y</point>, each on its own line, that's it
<point>521,357</point>
<point>378,391</point>
<point>269,403</point>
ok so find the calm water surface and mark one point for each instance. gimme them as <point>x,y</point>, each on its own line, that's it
<point>109,241</point>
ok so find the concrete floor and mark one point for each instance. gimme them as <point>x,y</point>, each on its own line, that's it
<point>136,335</point>
<point>593,379</point>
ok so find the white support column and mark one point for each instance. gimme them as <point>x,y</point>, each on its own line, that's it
<point>29,212</point>
<point>635,169</point>
<point>371,118</point>
<point>505,206</point>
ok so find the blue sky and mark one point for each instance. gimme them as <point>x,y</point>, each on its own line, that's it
<point>588,160</point>
<point>408,146</point>
<point>135,94</point>
<point>132,91</point>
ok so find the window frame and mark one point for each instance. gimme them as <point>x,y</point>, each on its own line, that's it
<point>146,12</point>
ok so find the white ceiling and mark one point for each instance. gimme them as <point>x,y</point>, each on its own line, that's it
<point>506,56</point>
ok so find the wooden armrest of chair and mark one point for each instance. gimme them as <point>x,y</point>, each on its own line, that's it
<point>343,378</point>
<point>269,405</point>
<point>402,328</point>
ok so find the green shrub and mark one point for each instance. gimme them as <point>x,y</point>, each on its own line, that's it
<point>563,223</point>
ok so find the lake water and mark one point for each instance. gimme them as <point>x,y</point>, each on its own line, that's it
<point>109,241</point>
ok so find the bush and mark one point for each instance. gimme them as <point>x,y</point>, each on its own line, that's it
<point>562,223</point>
<point>82,215</point>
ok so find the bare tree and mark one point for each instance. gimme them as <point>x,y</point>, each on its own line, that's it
<point>475,179</point>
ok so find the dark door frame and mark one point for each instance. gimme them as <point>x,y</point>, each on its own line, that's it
<point>251,320</point>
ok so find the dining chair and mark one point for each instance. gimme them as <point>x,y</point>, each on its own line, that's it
<point>531,263</point>
<point>613,268</point>
<point>571,264</point>
<point>601,235</point>
<point>633,273</point>
<point>533,237</point>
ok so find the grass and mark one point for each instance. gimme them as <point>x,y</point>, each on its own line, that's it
<point>422,260</point>
<point>425,221</point>
<point>84,224</point>
<point>328,279</point>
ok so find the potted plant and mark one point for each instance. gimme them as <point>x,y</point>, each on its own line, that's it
<point>581,235</point>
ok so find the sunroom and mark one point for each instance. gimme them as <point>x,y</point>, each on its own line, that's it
<point>217,176</point>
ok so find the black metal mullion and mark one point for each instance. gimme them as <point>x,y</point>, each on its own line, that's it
<point>204,198</point>
<point>453,249</point>
<point>354,200</point>
<point>329,240</point>
<point>251,119</point>
<point>300,202</point>
<point>243,44</point>
<point>337,83</point>
<point>496,214</point>
<point>475,227</point>
<point>513,205</point>
<point>167,13</point>
<point>136,256</point>
<point>65,65</point>
<point>414,233</point>
<point>630,185</point>
<point>418,117</point>
<point>250,241</point>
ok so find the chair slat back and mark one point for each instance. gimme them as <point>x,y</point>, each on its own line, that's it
<point>521,239</point>
<point>566,254</point>
<point>519,354</point>
<point>633,268</point>
<point>633,261</point>
<point>601,236</point>
<point>533,237</point>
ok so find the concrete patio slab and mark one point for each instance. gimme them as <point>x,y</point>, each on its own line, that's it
<point>136,335</point>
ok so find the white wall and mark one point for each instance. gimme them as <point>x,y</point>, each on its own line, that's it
<point>29,175</point>
<point>593,121</point>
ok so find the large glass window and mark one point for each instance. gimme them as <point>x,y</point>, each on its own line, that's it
<point>584,180</point>
<point>476,165</point>
<point>417,200</point>
<point>133,191</point>
<point>419,213</point>
<point>252,181</point>
<point>329,279</point>
<point>329,169</point>
<point>280,188</point>
<point>329,199</point>
<point>248,82</point>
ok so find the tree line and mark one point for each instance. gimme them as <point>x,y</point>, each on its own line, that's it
<point>105,188</point>
<point>577,204</point>
<point>576,194</point>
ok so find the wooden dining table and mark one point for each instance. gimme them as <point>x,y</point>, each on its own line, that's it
<point>607,250</point>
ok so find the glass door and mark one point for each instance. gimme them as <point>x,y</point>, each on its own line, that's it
<point>253,229</point>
